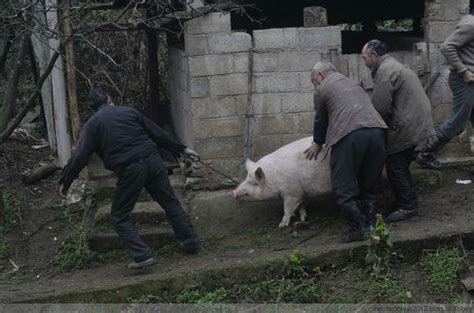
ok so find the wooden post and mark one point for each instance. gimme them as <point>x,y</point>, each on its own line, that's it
<point>63,140</point>
<point>157,113</point>
<point>71,80</point>
<point>42,53</point>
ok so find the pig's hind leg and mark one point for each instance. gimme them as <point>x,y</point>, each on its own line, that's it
<point>291,204</point>
<point>302,211</point>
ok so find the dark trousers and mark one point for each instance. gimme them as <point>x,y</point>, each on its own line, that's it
<point>150,173</point>
<point>399,175</point>
<point>357,161</point>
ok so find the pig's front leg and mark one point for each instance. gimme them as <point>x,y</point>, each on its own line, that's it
<point>290,204</point>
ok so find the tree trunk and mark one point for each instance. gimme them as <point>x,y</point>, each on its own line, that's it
<point>29,104</point>
<point>157,113</point>
<point>6,50</point>
<point>12,87</point>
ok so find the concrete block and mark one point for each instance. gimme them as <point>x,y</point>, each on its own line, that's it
<point>278,38</point>
<point>219,106</point>
<point>267,103</point>
<point>319,37</point>
<point>315,17</point>
<point>276,82</point>
<point>277,124</point>
<point>353,66</point>
<point>304,82</point>
<point>228,43</point>
<point>233,167</point>
<point>208,65</point>
<point>286,61</point>
<point>199,87</point>
<point>265,144</point>
<point>216,22</point>
<point>440,93</point>
<point>342,64</point>
<point>297,102</point>
<point>241,62</point>
<point>196,44</point>
<point>227,85</point>
<point>305,123</point>
<point>439,31</point>
<point>216,128</point>
<point>229,147</point>
<point>446,10</point>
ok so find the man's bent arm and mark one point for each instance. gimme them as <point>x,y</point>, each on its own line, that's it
<point>85,147</point>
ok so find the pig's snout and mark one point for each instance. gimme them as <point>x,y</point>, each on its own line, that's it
<point>233,194</point>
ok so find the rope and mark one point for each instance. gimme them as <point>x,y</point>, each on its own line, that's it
<point>219,172</point>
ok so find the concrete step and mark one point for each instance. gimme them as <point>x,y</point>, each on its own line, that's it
<point>106,187</point>
<point>154,236</point>
<point>150,213</point>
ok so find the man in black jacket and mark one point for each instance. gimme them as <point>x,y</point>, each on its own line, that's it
<point>128,143</point>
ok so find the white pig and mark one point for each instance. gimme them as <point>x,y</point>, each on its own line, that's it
<point>286,174</point>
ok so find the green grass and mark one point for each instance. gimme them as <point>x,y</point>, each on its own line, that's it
<point>443,267</point>
<point>4,248</point>
<point>75,253</point>
<point>9,211</point>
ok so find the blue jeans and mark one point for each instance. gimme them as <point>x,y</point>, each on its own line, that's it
<point>462,112</point>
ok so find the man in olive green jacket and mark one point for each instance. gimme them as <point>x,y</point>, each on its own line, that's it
<point>400,99</point>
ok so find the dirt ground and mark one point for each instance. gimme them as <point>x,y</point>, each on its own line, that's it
<point>41,226</point>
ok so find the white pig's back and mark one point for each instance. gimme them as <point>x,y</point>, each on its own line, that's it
<point>289,168</point>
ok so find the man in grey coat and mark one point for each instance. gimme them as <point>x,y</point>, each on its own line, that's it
<point>458,49</point>
<point>400,99</point>
<point>347,123</point>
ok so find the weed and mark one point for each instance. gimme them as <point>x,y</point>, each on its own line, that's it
<point>4,248</point>
<point>380,249</point>
<point>147,298</point>
<point>219,295</point>
<point>268,291</point>
<point>9,207</point>
<point>385,288</point>
<point>295,266</point>
<point>75,252</point>
<point>443,267</point>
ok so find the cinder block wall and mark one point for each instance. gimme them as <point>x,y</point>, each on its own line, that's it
<point>223,118</point>
<point>282,101</point>
<point>279,102</point>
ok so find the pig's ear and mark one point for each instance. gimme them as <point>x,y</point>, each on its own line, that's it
<point>259,174</point>
<point>249,165</point>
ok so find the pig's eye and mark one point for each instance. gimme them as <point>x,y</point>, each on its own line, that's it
<point>254,183</point>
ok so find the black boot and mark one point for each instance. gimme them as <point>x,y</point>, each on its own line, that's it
<point>426,157</point>
<point>357,230</point>
<point>367,208</point>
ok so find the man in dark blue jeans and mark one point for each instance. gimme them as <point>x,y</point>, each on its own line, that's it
<point>128,143</point>
<point>458,49</point>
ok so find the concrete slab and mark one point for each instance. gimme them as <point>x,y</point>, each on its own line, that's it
<point>154,236</point>
<point>144,213</point>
